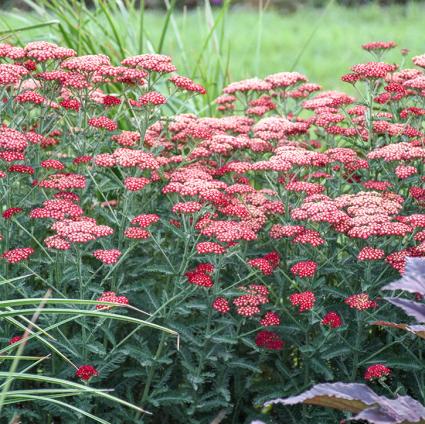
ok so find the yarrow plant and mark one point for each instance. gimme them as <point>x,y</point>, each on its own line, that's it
<point>260,235</point>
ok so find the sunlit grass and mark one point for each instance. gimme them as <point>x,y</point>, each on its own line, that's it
<point>232,49</point>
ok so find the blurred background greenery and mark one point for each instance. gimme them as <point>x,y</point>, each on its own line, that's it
<point>220,41</point>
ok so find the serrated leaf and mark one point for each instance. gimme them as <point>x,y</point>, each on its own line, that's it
<point>223,339</point>
<point>322,368</point>
<point>332,352</point>
<point>406,364</point>
<point>159,270</point>
<point>244,365</point>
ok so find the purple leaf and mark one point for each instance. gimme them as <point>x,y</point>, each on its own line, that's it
<point>413,279</point>
<point>360,399</point>
<point>404,409</point>
<point>419,330</point>
<point>413,309</point>
<point>346,397</point>
<point>373,415</point>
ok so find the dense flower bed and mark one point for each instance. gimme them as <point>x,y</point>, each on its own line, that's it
<point>261,236</point>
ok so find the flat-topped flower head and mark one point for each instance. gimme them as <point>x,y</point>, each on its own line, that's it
<point>370,254</point>
<point>151,62</point>
<point>52,164</point>
<point>108,257</point>
<point>112,298</point>
<point>64,181</point>
<point>136,183</point>
<point>86,372</point>
<point>262,264</point>
<point>152,98</point>
<point>42,51</point>
<point>376,372</point>
<point>373,70</point>
<point>19,254</point>
<point>332,319</point>
<point>252,84</point>
<point>145,220</point>
<point>270,319</point>
<point>360,302</point>
<point>304,269</point>
<point>9,213</point>
<point>379,45</point>
<point>419,60</point>
<point>14,339</point>
<point>103,122</point>
<point>210,247</point>
<point>269,340</point>
<point>221,305</point>
<point>199,278</point>
<point>285,79</point>
<point>11,52</point>
<point>187,84</point>
<point>305,300</point>
<point>136,233</point>
<point>88,63</point>
<point>11,139</point>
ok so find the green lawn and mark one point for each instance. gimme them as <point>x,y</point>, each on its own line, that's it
<point>244,44</point>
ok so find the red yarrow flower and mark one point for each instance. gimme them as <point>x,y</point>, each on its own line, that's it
<point>15,339</point>
<point>360,302</point>
<point>373,70</point>
<point>269,340</point>
<point>205,267</point>
<point>8,213</point>
<point>30,97</point>
<point>199,278</point>
<point>221,305</point>
<point>107,256</point>
<point>304,269</point>
<point>305,300</point>
<point>135,183</point>
<point>187,84</point>
<point>145,220</point>
<point>152,98</point>
<point>370,254</point>
<point>379,45</point>
<point>207,247</point>
<point>273,258</point>
<point>262,264</point>
<point>86,372</point>
<point>186,207</point>
<point>17,255</point>
<point>21,169</point>
<point>52,164</point>
<point>111,297</point>
<point>111,100</point>
<point>270,319</point>
<point>136,233</point>
<point>71,104</point>
<point>332,319</point>
<point>103,122</point>
<point>376,371</point>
